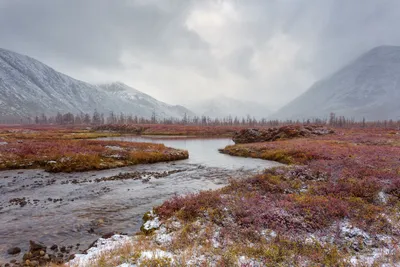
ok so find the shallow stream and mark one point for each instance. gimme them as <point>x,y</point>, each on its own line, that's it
<point>70,209</point>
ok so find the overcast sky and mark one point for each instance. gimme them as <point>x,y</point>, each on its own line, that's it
<point>179,51</point>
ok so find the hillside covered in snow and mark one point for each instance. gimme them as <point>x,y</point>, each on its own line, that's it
<point>29,88</point>
<point>368,87</point>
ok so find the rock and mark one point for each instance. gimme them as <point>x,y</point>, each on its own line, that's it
<point>58,260</point>
<point>33,246</point>
<point>42,253</point>
<point>13,251</point>
<point>280,133</point>
<point>27,256</point>
<point>18,201</point>
<point>54,247</point>
<point>34,263</point>
<point>108,235</point>
<point>28,262</point>
<point>46,257</point>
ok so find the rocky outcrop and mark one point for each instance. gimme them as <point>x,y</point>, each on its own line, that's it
<point>278,133</point>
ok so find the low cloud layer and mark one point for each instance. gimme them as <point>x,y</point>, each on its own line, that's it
<point>181,51</point>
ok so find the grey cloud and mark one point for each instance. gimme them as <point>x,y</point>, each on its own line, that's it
<point>94,32</point>
<point>240,61</point>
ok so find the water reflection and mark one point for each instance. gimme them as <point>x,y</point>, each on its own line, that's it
<point>205,152</point>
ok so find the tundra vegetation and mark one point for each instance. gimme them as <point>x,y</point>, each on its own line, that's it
<point>337,203</point>
<point>171,130</point>
<point>71,150</point>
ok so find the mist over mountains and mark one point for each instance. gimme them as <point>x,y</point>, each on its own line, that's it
<point>29,87</point>
<point>368,87</point>
<point>221,107</point>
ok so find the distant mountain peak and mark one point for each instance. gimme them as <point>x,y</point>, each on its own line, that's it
<point>368,87</point>
<point>29,88</point>
<point>384,48</point>
<point>115,86</point>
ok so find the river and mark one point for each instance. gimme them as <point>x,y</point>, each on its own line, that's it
<point>72,208</point>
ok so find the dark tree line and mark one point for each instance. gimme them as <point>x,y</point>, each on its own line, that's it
<point>97,118</point>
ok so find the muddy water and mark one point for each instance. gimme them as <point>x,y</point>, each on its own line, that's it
<point>67,209</point>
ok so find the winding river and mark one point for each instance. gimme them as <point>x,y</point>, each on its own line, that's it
<point>77,208</point>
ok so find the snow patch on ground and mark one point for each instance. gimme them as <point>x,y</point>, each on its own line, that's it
<point>349,231</point>
<point>268,234</point>
<point>162,237</point>
<point>117,148</point>
<point>244,261</point>
<point>102,246</point>
<point>197,261</point>
<point>370,259</point>
<point>149,255</point>
<point>214,240</point>
<point>382,197</point>
<point>153,223</point>
<point>155,254</point>
<point>176,225</point>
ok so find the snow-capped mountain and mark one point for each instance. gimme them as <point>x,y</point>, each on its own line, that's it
<point>222,106</point>
<point>29,87</point>
<point>142,103</point>
<point>368,87</point>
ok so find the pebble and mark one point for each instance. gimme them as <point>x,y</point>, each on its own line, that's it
<point>13,251</point>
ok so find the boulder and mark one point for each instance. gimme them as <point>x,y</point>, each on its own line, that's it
<point>13,251</point>
<point>36,246</point>
<point>279,133</point>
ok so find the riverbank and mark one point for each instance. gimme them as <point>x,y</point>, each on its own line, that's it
<point>72,150</point>
<point>170,130</point>
<point>338,204</point>
<point>67,209</point>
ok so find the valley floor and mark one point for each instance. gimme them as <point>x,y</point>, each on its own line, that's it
<point>72,150</point>
<point>337,203</point>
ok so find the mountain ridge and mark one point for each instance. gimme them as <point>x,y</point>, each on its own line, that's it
<point>367,87</point>
<point>30,87</point>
